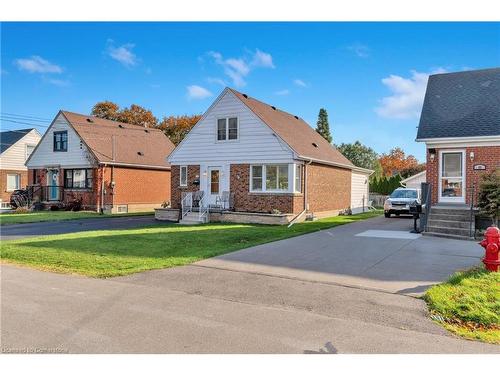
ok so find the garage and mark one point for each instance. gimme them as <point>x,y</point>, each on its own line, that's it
<point>359,191</point>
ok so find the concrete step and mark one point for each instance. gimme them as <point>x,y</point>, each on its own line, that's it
<point>191,221</point>
<point>447,235</point>
<point>449,223</point>
<point>450,211</point>
<point>435,215</point>
<point>447,230</point>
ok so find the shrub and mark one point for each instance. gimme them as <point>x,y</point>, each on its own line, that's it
<point>21,210</point>
<point>489,195</point>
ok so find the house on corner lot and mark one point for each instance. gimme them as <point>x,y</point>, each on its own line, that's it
<point>107,165</point>
<point>460,126</point>
<point>16,146</point>
<point>249,156</point>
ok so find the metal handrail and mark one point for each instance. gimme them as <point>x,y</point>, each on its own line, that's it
<point>427,205</point>
<point>187,203</point>
<point>203,208</point>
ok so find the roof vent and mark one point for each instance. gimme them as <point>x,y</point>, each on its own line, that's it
<point>140,153</point>
<point>273,107</point>
<point>90,120</point>
<point>121,126</point>
<point>297,117</point>
<point>146,130</point>
<point>315,144</point>
<point>245,96</point>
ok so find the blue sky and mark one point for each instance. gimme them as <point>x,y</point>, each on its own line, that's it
<point>369,76</point>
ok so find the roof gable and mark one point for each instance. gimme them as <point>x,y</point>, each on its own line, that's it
<point>11,137</point>
<point>120,143</point>
<point>295,132</point>
<point>462,104</point>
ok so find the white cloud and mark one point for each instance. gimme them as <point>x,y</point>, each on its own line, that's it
<point>407,95</point>
<point>360,50</point>
<point>262,59</point>
<point>238,68</point>
<point>299,82</point>
<point>123,54</point>
<point>282,92</point>
<point>57,82</point>
<point>198,92</point>
<point>36,64</point>
<point>218,81</point>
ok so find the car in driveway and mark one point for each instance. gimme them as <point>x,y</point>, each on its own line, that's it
<point>400,200</point>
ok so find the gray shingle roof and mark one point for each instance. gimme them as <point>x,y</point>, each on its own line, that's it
<point>462,104</point>
<point>8,138</point>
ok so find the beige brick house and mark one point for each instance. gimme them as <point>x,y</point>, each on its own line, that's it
<point>249,156</point>
<point>108,165</point>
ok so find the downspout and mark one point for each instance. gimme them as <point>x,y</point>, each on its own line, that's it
<point>296,218</point>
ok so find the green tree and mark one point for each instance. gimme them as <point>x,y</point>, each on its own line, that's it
<point>322,126</point>
<point>489,196</point>
<point>359,154</point>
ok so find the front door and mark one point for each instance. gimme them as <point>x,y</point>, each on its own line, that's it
<point>214,185</point>
<point>52,185</point>
<point>452,177</point>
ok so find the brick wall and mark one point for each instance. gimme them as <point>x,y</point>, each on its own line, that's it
<point>244,200</point>
<point>328,188</point>
<point>176,189</point>
<point>487,155</point>
<point>4,194</point>
<point>133,185</point>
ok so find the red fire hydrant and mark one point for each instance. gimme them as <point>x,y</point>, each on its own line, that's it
<point>491,243</point>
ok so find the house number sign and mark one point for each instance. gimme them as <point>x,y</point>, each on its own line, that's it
<point>479,167</point>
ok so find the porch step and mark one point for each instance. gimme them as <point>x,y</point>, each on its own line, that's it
<point>448,223</point>
<point>192,218</point>
<point>463,216</point>
<point>447,235</point>
<point>463,232</point>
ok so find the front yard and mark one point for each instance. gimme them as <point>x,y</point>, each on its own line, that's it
<point>119,252</point>
<point>39,216</point>
<point>468,304</point>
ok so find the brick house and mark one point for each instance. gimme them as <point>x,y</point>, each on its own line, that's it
<point>16,146</point>
<point>106,164</point>
<point>265,160</point>
<point>460,126</point>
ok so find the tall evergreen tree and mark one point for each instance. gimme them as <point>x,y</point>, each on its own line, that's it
<point>322,126</point>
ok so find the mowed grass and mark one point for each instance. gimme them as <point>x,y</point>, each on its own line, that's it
<point>119,252</point>
<point>39,216</point>
<point>468,304</point>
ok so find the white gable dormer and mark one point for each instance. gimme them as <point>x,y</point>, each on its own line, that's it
<point>230,132</point>
<point>74,154</point>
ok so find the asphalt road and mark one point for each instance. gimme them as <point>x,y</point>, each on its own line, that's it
<point>18,231</point>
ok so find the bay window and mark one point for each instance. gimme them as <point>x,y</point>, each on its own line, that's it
<point>298,178</point>
<point>78,178</point>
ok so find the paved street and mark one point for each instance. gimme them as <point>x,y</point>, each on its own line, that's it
<point>246,309</point>
<point>18,231</point>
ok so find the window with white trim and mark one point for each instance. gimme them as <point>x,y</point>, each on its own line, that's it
<point>29,150</point>
<point>298,178</point>
<point>269,178</point>
<point>13,182</point>
<point>227,129</point>
<point>183,175</point>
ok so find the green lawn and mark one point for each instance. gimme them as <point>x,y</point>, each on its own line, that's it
<point>468,304</point>
<point>119,252</point>
<point>39,216</point>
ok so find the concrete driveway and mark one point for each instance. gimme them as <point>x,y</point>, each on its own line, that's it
<point>18,231</point>
<point>378,254</point>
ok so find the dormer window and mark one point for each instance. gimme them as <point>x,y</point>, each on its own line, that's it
<point>227,129</point>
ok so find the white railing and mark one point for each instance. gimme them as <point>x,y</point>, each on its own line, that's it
<point>187,203</point>
<point>203,209</point>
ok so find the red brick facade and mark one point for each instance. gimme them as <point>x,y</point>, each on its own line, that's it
<point>486,155</point>
<point>193,175</point>
<point>132,186</point>
<point>329,189</point>
<point>4,194</point>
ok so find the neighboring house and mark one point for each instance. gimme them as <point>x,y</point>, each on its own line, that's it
<point>16,146</point>
<point>108,165</point>
<point>265,160</point>
<point>460,126</point>
<point>415,181</point>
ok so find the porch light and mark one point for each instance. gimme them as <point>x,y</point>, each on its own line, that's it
<point>471,156</point>
<point>432,154</point>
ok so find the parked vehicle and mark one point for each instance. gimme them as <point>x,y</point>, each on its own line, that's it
<point>19,198</point>
<point>399,201</point>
